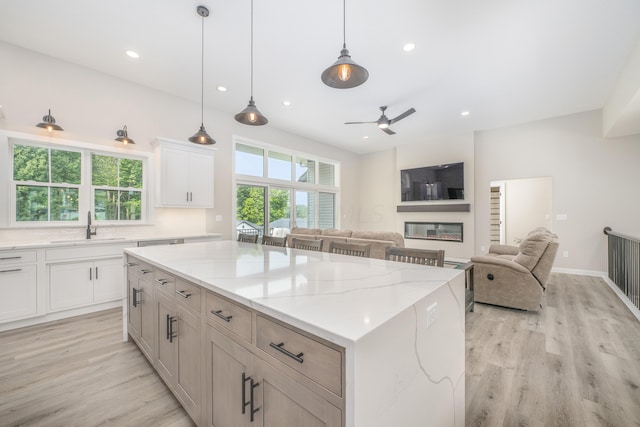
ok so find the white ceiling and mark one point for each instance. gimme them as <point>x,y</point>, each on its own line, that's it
<point>506,61</point>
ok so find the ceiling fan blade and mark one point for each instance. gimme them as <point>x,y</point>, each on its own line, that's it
<point>403,115</point>
<point>388,131</point>
<point>357,123</point>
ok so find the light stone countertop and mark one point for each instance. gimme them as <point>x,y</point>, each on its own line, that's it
<point>98,241</point>
<point>337,297</point>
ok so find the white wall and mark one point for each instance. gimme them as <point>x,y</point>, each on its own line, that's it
<point>91,106</point>
<point>380,189</point>
<point>528,204</point>
<point>595,181</point>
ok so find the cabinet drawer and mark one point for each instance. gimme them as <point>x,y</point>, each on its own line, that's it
<point>141,269</point>
<point>188,294</point>
<point>313,359</point>
<point>229,315</point>
<point>164,281</point>
<point>17,257</point>
<point>86,251</point>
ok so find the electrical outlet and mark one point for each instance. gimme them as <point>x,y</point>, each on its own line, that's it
<point>565,254</point>
<point>218,218</point>
<point>561,217</point>
<point>483,248</point>
<point>432,314</point>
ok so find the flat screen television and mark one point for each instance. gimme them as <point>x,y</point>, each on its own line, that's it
<point>440,182</point>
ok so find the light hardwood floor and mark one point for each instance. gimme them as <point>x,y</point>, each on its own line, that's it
<point>576,363</point>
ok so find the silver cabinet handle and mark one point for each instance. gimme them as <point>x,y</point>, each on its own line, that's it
<point>183,294</point>
<point>11,271</point>
<point>219,314</point>
<point>161,281</point>
<point>281,349</point>
<point>10,257</point>
<point>130,264</point>
<point>146,271</point>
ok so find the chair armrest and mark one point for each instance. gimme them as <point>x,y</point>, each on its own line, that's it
<point>499,262</point>
<point>504,250</point>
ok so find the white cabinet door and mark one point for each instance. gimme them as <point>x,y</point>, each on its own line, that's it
<point>174,177</point>
<point>70,285</point>
<point>17,292</point>
<point>107,280</point>
<point>201,180</point>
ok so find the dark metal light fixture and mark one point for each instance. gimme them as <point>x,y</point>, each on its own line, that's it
<point>202,137</point>
<point>344,73</point>
<point>123,136</point>
<point>250,115</point>
<point>49,123</point>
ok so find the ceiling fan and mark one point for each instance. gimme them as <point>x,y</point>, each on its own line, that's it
<point>384,122</point>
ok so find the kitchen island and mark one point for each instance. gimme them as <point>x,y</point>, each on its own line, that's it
<point>300,337</point>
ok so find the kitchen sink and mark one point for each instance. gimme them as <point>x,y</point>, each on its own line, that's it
<point>105,239</point>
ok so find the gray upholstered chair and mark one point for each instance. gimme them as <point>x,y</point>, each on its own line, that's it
<point>274,241</point>
<point>309,245</point>
<point>247,238</point>
<point>415,256</point>
<point>516,277</point>
<point>353,249</point>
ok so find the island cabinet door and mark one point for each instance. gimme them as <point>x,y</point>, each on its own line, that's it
<point>229,377</point>
<point>283,402</point>
<point>187,360</point>
<point>148,325</point>
<point>165,357</point>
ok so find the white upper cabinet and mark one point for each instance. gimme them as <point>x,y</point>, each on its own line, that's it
<point>184,174</point>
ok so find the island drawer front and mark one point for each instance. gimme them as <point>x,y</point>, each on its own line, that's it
<point>140,269</point>
<point>17,257</point>
<point>318,362</point>
<point>188,294</point>
<point>164,281</point>
<point>229,315</point>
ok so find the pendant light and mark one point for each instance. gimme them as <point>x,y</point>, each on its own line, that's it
<point>202,137</point>
<point>49,123</point>
<point>250,115</point>
<point>123,136</point>
<point>344,73</point>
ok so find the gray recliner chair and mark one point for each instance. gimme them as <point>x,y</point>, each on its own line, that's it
<point>516,277</point>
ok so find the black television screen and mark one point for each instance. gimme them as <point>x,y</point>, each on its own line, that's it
<point>440,182</point>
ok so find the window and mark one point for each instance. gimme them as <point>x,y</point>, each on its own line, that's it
<point>277,190</point>
<point>47,184</point>
<point>54,184</point>
<point>116,184</point>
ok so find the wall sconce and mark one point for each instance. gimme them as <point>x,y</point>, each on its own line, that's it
<point>49,123</point>
<point>123,137</point>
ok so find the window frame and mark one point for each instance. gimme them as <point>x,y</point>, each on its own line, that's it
<point>85,193</point>
<point>291,184</point>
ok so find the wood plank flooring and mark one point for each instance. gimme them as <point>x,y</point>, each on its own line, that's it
<point>575,363</point>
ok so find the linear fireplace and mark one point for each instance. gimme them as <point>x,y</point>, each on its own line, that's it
<point>444,231</point>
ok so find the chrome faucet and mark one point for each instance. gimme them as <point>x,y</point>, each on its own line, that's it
<point>89,232</point>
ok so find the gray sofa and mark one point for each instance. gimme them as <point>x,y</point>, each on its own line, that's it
<point>379,240</point>
<point>512,276</point>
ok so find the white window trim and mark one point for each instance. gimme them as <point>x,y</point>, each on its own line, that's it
<point>279,183</point>
<point>7,185</point>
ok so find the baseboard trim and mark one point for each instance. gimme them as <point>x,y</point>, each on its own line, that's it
<point>592,273</point>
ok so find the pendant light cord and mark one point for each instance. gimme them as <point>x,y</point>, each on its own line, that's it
<point>202,76</point>
<point>251,49</point>
<point>344,24</point>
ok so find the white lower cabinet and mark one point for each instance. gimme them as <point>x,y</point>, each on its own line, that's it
<point>82,283</point>
<point>18,287</point>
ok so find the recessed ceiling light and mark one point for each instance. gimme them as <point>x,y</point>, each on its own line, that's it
<point>222,88</point>
<point>465,113</point>
<point>286,103</point>
<point>408,47</point>
<point>365,137</point>
<point>132,54</point>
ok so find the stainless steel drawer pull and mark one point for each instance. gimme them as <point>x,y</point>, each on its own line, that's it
<point>130,264</point>
<point>220,315</point>
<point>10,257</point>
<point>281,349</point>
<point>146,271</point>
<point>183,294</point>
<point>161,281</point>
<point>11,271</point>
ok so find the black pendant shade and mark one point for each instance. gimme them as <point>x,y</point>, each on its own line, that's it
<point>49,123</point>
